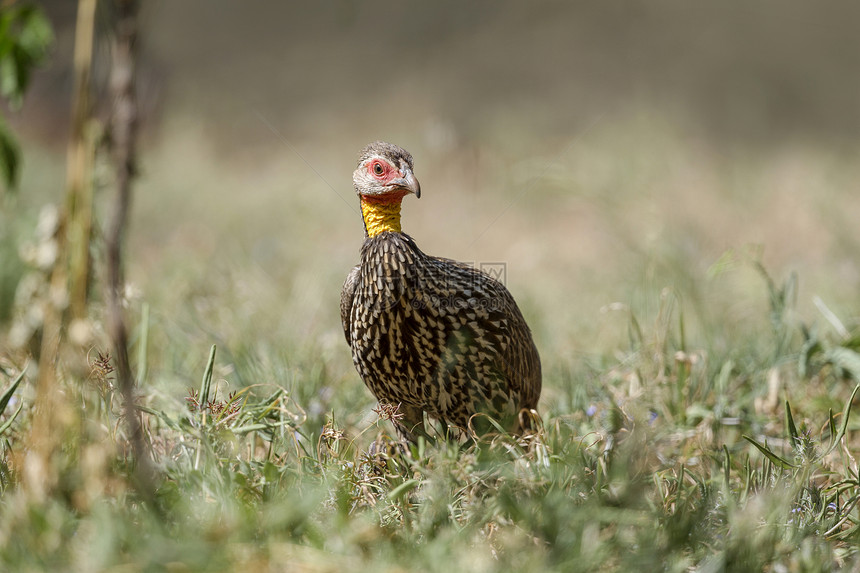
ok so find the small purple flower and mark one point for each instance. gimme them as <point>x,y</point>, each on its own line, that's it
<point>652,417</point>
<point>591,410</point>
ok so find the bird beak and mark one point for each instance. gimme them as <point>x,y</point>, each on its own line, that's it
<point>408,182</point>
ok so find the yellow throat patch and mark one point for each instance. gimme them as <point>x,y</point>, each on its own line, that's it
<point>381,215</point>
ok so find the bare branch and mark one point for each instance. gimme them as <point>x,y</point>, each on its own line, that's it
<point>123,130</point>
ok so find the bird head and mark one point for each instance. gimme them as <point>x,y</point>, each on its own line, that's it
<point>384,173</point>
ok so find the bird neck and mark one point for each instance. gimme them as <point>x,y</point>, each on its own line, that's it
<point>381,213</point>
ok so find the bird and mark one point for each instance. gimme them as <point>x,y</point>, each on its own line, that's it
<point>431,335</point>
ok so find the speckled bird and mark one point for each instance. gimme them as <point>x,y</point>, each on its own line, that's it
<point>430,335</point>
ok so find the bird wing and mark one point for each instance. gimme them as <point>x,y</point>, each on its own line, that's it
<point>346,296</point>
<point>520,361</point>
<point>503,323</point>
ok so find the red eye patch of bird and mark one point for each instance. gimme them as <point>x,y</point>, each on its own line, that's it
<point>381,170</point>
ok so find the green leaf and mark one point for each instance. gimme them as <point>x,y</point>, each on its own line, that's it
<point>724,375</point>
<point>634,333</point>
<point>727,261</point>
<point>36,35</point>
<point>769,454</point>
<point>169,421</point>
<point>789,422</point>
<point>9,87</point>
<point>845,359</point>
<point>259,427</point>
<point>846,412</point>
<point>403,489</point>
<point>8,423</point>
<point>852,342</point>
<point>10,157</point>
<point>7,395</point>
<point>811,347</point>
<point>206,384</point>
<point>25,38</point>
<point>831,425</point>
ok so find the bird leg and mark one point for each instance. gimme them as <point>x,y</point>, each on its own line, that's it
<point>409,424</point>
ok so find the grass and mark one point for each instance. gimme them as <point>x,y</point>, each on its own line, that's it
<point>644,467</point>
<point>696,414</point>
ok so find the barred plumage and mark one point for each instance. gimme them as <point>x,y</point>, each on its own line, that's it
<point>430,334</point>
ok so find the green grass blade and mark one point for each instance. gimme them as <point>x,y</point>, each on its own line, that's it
<point>403,489</point>
<point>846,360</point>
<point>169,421</point>
<point>258,427</point>
<point>634,333</point>
<point>205,387</point>
<point>7,395</point>
<point>769,454</point>
<point>846,412</point>
<point>831,425</point>
<point>8,423</point>
<point>206,384</point>
<point>789,423</point>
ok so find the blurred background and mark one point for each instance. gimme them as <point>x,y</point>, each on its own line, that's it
<point>605,152</point>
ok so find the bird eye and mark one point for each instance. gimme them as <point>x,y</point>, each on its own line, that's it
<point>378,169</point>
